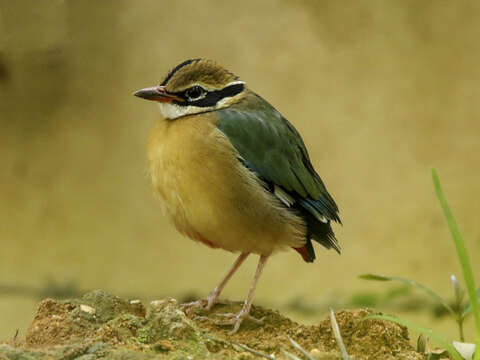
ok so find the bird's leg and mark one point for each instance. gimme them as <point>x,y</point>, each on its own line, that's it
<point>236,319</point>
<point>212,298</point>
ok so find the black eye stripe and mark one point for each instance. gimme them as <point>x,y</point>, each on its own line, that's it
<point>212,97</point>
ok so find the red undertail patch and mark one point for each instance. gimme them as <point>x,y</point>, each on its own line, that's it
<point>304,252</point>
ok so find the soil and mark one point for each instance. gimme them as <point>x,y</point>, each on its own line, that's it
<point>101,325</point>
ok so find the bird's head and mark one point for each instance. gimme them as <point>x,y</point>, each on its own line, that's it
<point>195,86</point>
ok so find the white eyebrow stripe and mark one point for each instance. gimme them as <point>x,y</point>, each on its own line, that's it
<point>235,83</point>
<point>209,89</point>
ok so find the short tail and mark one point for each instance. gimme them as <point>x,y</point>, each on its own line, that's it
<point>319,231</point>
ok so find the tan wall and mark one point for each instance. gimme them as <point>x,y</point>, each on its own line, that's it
<point>380,90</point>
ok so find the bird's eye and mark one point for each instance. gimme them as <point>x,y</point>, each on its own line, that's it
<point>194,93</point>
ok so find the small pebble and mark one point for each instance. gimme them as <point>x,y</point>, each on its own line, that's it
<point>87,309</point>
<point>134,302</point>
<point>157,303</point>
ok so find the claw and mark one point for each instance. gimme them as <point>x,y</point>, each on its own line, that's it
<point>201,318</point>
<point>255,320</point>
<point>219,301</point>
<point>212,298</point>
<point>191,306</point>
<point>237,319</point>
<point>206,304</point>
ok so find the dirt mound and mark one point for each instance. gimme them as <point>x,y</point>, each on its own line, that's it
<point>100,325</point>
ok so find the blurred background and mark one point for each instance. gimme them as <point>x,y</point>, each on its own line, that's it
<point>380,91</point>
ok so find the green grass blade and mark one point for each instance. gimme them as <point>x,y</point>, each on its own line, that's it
<point>447,345</point>
<point>412,283</point>
<point>468,306</point>
<point>462,255</point>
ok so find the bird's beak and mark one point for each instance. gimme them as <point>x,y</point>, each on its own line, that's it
<point>156,93</point>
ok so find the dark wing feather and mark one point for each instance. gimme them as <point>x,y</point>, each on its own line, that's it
<point>271,147</point>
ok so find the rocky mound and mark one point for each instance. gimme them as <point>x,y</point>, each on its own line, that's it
<point>101,325</point>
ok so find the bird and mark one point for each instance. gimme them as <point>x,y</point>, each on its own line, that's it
<point>234,174</point>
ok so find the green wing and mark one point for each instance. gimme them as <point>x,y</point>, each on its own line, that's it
<point>271,147</point>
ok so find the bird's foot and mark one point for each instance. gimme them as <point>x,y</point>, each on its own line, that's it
<point>206,304</point>
<point>237,319</point>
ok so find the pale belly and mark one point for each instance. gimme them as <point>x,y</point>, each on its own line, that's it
<point>210,196</point>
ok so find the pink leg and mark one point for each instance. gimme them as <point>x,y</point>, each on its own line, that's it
<point>215,293</point>
<point>212,298</point>
<point>236,320</point>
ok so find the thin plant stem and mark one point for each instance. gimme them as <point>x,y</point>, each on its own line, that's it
<point>301,349</point>
<point>255,352</point>
<point>460,329</point>
<point>463,256</point>
<point>338,336</point>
